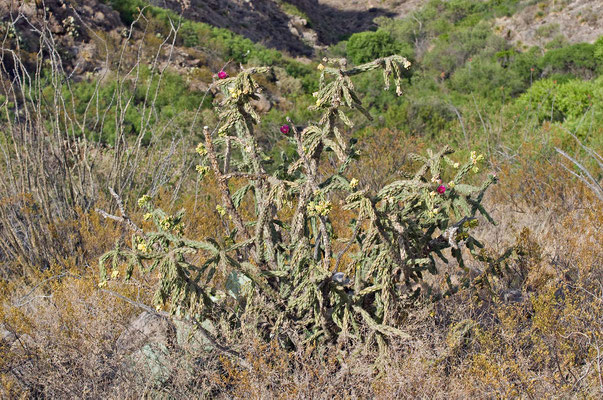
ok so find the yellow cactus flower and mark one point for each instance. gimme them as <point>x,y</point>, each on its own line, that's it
<point>323,208</point>
<point>144,200</point>
<point>476,158</point>
<point>201,169</point>
<point>235,93</point>
<point>201,150</point>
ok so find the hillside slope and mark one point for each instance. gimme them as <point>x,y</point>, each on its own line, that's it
<point>575,21</point>
<point>296,26</point>
<point>73,27</point>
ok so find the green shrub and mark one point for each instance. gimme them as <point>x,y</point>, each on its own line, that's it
<point>487,78</point>
<point>526,65</point>
<point>453,51</point>
<point>229,44</point>
<point>575,103</point>
<point>189,35</point>
<point>128,9</point>
<point>305,73</point>
<point>291,9</point>
<point>577,59</point>
<point>598,52</point>
<point>172,98</point>
<point>365,46</point>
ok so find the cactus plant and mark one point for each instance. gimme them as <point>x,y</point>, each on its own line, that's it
<point>285,269</point>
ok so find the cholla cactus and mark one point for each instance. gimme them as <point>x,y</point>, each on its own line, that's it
<point>297,285</point>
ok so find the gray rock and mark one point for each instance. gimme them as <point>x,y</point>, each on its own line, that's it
<point>146,343</point>
<point>512,296</point>
<point>154,360</point>
<point>339,277</point>
<point>6,337</point>
<point>298,21</point>
<point>146,328</point>
<point>189,338</point>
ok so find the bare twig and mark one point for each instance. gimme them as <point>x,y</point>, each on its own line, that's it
<point>124,216</point>
<point>587,178</point>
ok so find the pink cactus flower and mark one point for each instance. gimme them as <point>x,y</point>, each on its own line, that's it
<point>222,74</point>
<point>441,189</point>
<point>285,129</point>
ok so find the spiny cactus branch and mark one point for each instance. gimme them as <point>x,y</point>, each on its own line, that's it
<point>226,195</point>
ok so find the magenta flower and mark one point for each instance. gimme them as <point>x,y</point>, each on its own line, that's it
<point>441,189</point>
<point>285,129</point>
<point>222,74</point>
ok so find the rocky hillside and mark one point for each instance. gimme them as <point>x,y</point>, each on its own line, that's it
<point>73,27</point>
<point>298,27</point>
<point>537,23</point>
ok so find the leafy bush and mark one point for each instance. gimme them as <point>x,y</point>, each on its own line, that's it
<point>525,64</point>
<point>577,59</point>
<point>599,51</point>
<point>277,271</point>
<point>365,46</point>
<point>487,78</point>
<point>454,50</point>
<point>560,101</point>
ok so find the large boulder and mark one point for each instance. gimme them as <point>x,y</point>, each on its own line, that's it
<point>150,341</point>
<point>146,328</point>
<point>146,344</point>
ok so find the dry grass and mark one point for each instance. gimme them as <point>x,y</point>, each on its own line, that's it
<point>473,344</point>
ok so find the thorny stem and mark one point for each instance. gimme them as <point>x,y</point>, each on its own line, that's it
<point>226,195</point>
